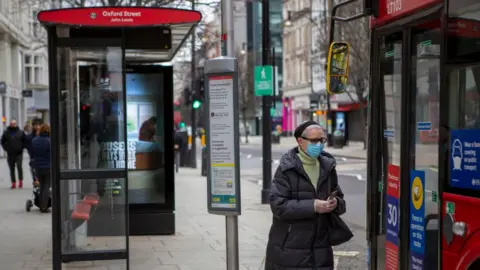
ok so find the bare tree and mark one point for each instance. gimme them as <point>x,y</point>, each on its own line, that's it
<point>138,3</point>
<point>357,34</point>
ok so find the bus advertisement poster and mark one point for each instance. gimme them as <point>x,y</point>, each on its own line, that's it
<point>464,162</point>
<point>392,215</point>
<point>417,218</point>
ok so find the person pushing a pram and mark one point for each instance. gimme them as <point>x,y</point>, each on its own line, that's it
<point>36,123</point>
<point>40,149</point>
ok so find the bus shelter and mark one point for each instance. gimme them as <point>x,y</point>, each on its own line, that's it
<point>111,93</point>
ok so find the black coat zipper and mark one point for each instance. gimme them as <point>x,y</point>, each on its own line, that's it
<point>286,236</point>
<point>315,228</point>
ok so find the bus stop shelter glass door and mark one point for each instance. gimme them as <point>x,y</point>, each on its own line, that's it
<point>92,152</point>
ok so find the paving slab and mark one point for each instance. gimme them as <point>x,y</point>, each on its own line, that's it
<point>199,243</point>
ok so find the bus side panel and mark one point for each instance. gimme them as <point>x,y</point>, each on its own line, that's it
<point>470,252</point>
<point>449,260</point>
<point>389,10</point>
<point>463,209</point>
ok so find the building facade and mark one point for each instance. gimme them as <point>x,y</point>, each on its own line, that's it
<point>23,64</point>
<point>254,58</point>
<point>297,42</point>
<point>305,39</point>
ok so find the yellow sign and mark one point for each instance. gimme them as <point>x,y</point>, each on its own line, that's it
<point>417,193</point>
<point>204,140</point>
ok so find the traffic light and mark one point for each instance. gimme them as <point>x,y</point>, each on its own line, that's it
<point>196,104</point>
<point>182,124</point>
<point>199,94</point>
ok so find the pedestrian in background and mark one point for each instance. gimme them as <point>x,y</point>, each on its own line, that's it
<point>302,203</point>
<point>36,123</point>
<point>177,148</point>
<point>27,129</point>
<point>13,142</point>
<point>41,164</point>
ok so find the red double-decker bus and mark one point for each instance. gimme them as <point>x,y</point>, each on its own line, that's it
<point>424,173</point>
<point>424,135</point>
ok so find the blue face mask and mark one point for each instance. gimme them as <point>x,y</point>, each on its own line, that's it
<point>314,149</point>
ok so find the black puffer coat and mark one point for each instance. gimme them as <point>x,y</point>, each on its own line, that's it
<point>298,237</point>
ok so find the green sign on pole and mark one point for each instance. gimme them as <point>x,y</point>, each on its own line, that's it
<point>263,81</point>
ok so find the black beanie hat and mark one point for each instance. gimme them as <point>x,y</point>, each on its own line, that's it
<point>301,128</point>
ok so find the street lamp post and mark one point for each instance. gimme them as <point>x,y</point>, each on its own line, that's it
<point>266,104</point>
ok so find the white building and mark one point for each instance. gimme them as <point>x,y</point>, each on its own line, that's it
<point>297,76</point>
<point>23,64</point>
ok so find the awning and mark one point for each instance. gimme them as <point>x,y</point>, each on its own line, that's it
<point>179,21</point>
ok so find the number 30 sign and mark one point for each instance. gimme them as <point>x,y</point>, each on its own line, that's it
<point>392,215</point>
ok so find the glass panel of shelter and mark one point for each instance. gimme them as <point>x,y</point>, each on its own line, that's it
<point>91,137</point>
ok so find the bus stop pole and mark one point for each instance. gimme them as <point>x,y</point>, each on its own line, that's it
<point>231,221</point>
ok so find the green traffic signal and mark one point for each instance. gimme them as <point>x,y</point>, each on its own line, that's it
<point>182,124</point>
<point>196,104</point>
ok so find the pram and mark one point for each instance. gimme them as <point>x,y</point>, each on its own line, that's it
<point>36,199</point>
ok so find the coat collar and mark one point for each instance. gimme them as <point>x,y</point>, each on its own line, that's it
<point>290,160</point>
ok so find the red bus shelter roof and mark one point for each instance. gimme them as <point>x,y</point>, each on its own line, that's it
<point>180,21</point>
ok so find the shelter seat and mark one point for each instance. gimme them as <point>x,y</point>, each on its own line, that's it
<point>91,199</point>
<point>82,211</point>
<point>83,208</point>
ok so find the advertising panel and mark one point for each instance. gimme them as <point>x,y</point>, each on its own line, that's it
<point>417,219</point>
<point>392,214</point>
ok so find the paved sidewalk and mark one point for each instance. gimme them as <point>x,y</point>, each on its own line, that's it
<point>199,244</point>
<point>353,150</point>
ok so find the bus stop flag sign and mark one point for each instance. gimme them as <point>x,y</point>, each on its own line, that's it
<point>392,214</point>
<point>464,159</point>
<point>417,218</point>
<point>223,175</point>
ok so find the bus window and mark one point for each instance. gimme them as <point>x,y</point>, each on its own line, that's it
<point>425,108</point>
<point>390,71</point>
<point>464,98</point>
<point>459,151</point>
<point>464,78</point>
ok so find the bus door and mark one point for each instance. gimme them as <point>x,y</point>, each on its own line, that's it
<point>384,156</point>
<point>403,165</point>
<point>423,129</point>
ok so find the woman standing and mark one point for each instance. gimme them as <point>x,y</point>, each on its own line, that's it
<point>304,196</point>
<point>41,164</point>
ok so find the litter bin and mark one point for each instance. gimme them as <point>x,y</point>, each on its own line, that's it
<point>275,138</point>
<point>338,139</point>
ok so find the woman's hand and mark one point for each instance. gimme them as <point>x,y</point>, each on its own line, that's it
<point>333,202</point>
<point>322,206</point>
